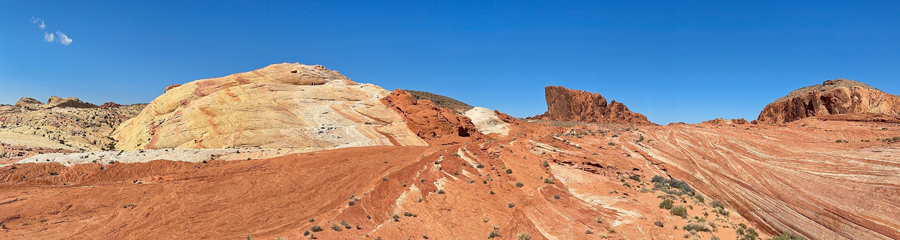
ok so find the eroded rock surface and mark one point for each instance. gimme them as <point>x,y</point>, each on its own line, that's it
<point>838,96</point>
<point>487,121</point>
<point>279,106</point>
<point>435,125</point>
<point>581,106</point>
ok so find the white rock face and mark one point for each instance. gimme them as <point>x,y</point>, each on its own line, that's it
<point>487,122</point>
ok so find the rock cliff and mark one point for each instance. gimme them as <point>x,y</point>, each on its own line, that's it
<point>581,106</point>
<point>838,96</point>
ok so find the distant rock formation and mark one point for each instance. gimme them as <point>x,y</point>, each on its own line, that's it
<point>54,102</point>
<point>110,104</point>
<point>838,96</point>
<point>722,121</point>
<point>581,106</point>
<point>29,103</point>
<point>433,124</point>
<point>72,102</point>
<point>280,106</point>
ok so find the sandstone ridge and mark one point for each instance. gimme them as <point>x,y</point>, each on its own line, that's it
<point>581,106</point>
<point>838,96</point>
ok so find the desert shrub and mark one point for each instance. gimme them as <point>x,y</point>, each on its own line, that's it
<point>548,180</point>
<point>508,171</point>
<point>788,236</point>
<point>657,179</point>
<point>697,226</point>
<point>441,191</point>
<point>679,211</point>
<point>520,184</point>
<point>699,198</point>
<point>346,225</point>
<point>714,237</point>
<point>524,236</point>
<point>396,217</point>
<point>588,231</point>
<point>611,144</point>
<point>658,223</point>
<point>716,204</point>
<point>635,177</point>
<point>493,234</point>
<point>407,214</point>
<point>315,228</point>
<point>598,219</point>
<point>351,203</point>
<point>667,204</point>
<point>335,227</point>
<point>555,196</point>
<point>511,205</point>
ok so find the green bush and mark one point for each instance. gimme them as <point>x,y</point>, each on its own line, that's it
<point>548,180</point>
<point>697,226</point>
<point>524,236</point>
<point>520,184</point>
<point>635,177</point>
<point>716,204</point>
<point>679,211</point>
<point>493,235</point>
<point>315,228</point>
<point>658,179</point>
<point>666,204</point>
<point>511,205</point>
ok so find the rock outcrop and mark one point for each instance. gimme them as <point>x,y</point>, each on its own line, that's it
<point>433,124</point>
<point>29,103</point>
<point>838,96</point>
<point>581,106</point>
<point>72,102</point>
<point>487,121</point>
<point>722,121</point>
<point>280,106</point>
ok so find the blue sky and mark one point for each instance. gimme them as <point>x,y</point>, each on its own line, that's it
<point>673,61</point>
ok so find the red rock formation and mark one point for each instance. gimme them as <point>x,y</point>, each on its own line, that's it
<point>721,121</point>
<point>171,87</point>
<point>109,105</point>
<point>581,106</point>
<point>433,124</point>
<point>839,96</point>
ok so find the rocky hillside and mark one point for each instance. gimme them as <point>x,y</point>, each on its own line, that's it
<point>441,101</point>
<point>60,125</point>
<point>279,106</point>
<point>838,96</point>
<point>581,106</point>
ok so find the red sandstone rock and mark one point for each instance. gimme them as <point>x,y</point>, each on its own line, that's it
<point>722,121</point>
<point>433,124</point>
<point>109,105</point>
<point>174,86</point>
<point>581,106</point>
<point>839,96</point>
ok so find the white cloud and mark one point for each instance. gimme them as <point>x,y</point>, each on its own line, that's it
<point>35,20</point>
<point>60,37</point>
<point>63,39</point>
